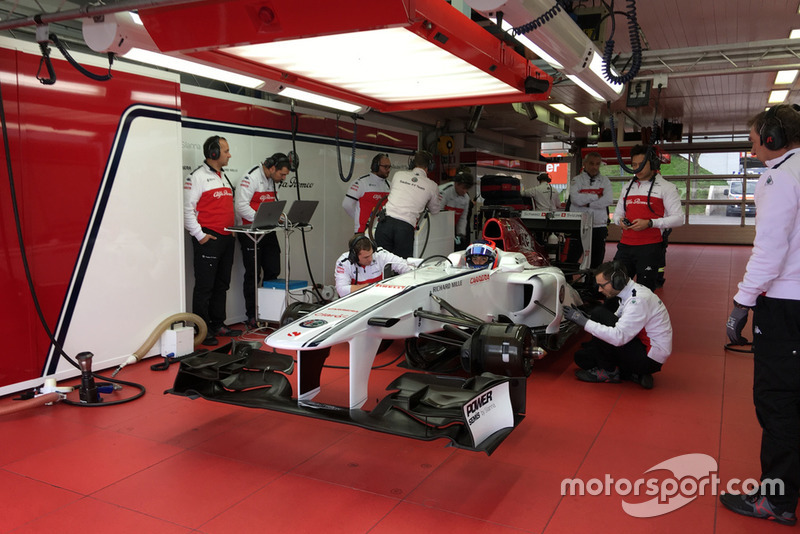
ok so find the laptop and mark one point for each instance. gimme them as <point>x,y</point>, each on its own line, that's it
<point>267,216</point>
<point>301,211</point>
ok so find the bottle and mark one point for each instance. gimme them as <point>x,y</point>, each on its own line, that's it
<point>552,246</point>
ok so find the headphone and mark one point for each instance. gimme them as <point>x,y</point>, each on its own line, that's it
<point>376,161</point>
<point>463,176</point>
<point>772,135</point>
<point>619,277</point>
<point>278,160</point>
<point>428,156</point>
<point>211,148</point>
<point>352,255</point>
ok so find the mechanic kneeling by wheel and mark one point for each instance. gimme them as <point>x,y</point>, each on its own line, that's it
<point>630,343</point>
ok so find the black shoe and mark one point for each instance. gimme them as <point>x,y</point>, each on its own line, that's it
<point>227,332</point>
<point>251,324</point>
<point>756,506</point>
<point>210,341</point>
<point>646,380</point>
<point>598,375</point>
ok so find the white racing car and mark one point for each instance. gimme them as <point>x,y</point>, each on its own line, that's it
<point>498,317</point>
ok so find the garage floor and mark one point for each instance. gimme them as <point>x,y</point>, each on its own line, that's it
<point>171,464</point>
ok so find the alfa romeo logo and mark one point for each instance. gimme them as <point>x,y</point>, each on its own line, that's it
<point>313,323</point>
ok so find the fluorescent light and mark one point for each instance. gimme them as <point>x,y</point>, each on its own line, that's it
<point>183,65</point>
<point>585,120</point>
<point>563,109</point>
<point>794,34</point>
<point>596,66</point>
<point>785,77</point>
<point>368,63</point>
<point>314,98</point>
<point>530,45</point>
<point>778,96</point>
<point>583,85</point>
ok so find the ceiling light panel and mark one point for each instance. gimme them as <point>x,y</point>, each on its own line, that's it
<point>778,96</point>
<point>392,65</point>
<point>785,77</point>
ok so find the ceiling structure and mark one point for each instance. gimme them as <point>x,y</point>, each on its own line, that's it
<point>716,63</point>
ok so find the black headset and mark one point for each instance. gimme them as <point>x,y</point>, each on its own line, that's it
<point>772,135</point>
<point>352,255</point>
<point>619,278</point>
<point>376,161</point>
<point>428,156</point>
<point>211,148</point>
<point>278,160</point>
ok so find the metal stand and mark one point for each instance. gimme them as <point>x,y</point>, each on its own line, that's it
<point>255,236</point>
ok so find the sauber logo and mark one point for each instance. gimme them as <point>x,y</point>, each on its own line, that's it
<point>479,279</point>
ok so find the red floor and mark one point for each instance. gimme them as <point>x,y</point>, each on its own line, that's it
<point>171,464</point>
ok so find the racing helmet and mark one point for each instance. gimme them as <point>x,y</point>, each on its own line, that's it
<point>486,249</point>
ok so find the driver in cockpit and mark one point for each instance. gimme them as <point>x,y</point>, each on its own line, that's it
<point>481,255</point>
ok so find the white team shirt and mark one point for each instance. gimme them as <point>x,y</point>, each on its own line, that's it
<point>207,201</point>
<point>774,266</point>
<point>254,188</point>
<point>359,201</point>
<point>348,274</point>
<point>410,193</point>
<point>451,201</point>
<point>545,197</point>
<point>592,195</point>
<point>641,314</point>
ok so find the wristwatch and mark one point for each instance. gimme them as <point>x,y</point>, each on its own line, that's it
<point>650,223</point>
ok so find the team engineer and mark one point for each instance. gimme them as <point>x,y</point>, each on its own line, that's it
<point>367,191</point>
<point>259,185</point>
<point>411,193</point>
<point>633,342</point>
<point>591,192</point>
<point>648,205</point>
<point>455,198</point>
<point>771,288</point>
<point>207,211</point>
<point>545,198</point>
<point>363,264</point>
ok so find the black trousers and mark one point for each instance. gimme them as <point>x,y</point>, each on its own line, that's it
<point>213,262</point>
<point>396,236</point>
<point>630,357</point>
<point>642,262</point>
<point>776,393</point>
<point>269,263</point>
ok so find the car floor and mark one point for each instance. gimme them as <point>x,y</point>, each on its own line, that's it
<point>165,463</point>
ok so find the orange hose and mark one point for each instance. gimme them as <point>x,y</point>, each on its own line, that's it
<point>18,406</point>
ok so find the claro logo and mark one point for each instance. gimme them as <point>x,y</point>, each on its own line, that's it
<point>479,279</point>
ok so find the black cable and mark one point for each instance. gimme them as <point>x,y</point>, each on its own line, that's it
<point>352,150</point>
<point>636,47</point>
<point>540,20</point>
<point>45,60</point>
<point>729,346</point>
<point>294,124</point>
<point>80,68</point>
<point>26,268</point>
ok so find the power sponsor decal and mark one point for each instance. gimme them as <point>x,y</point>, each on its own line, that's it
<point>488,412</point>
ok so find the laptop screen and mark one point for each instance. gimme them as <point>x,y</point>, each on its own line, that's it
<point>301,211</point>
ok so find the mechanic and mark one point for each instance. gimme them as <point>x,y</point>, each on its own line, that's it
<point>455,198</point>
<point>367,191</point>
<point>771,287</point>
<point>545,198</point>
<point>257,186</point>
<point>648,205</point>
<point>591,192</point>
<point>207,211</point>
<point>363,264</point>
<point>481,255</point>
<point>632,342</point>
<point>410,194</point>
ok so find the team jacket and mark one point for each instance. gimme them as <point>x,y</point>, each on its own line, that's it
<point>665,202</point>
<point>348,274</point>
<point>451,201</point>
<point>545,197</point>
<point>410,193</point>
<point>362,197</point>
<point>254,188</point>
<point>774,266</point>
<point>592,195</point>
<point>641,314</point>
<point>207,202</point>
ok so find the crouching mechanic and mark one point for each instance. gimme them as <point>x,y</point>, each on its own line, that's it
<point>363,264</point>
<point>633,342</point>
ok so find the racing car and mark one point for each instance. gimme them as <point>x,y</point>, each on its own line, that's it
<point>500,316</point>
